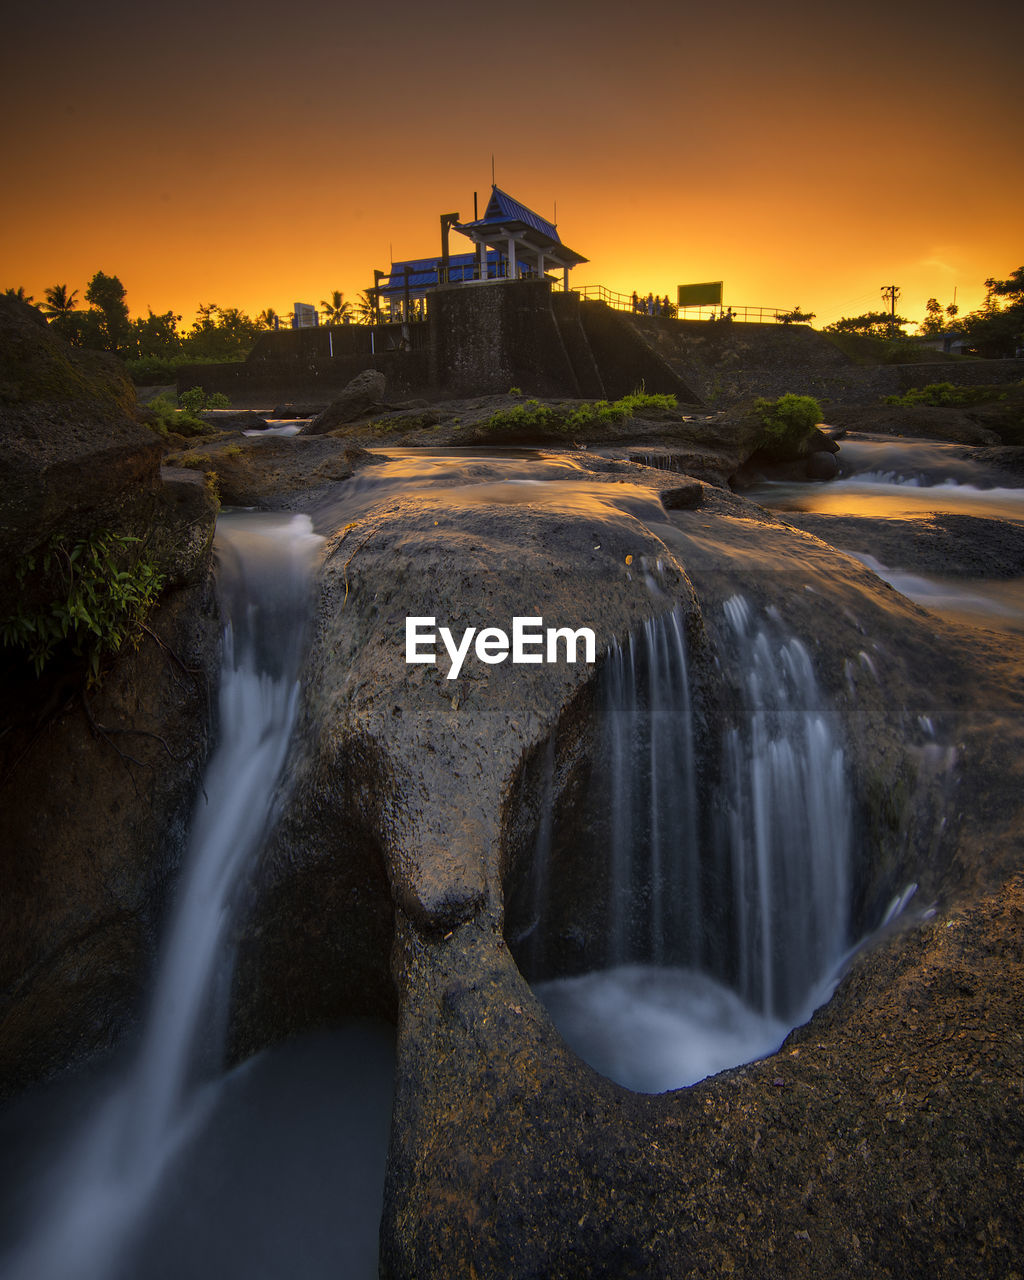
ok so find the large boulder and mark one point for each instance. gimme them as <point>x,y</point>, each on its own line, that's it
<point>363,396</point>
<point>413,814</point>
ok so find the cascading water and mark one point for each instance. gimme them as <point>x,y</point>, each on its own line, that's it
<point>727,919</point>
<point>111,1169</point>
<point>787,823</point>
<point>652,796</point>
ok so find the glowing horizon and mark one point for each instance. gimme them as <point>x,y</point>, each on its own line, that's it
<point>243,162</point>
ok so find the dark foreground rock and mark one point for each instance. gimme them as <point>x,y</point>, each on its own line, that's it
<point>97,779</point>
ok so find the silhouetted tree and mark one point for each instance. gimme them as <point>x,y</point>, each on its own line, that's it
<point>106,294</point>
<point>336,310</point>
<point>796,316</point>
<point>997,327</point>
<point>872,324</point>
<point>59,309</point>
<point>366,312</point>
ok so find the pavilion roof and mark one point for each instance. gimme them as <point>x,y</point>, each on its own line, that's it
<point>505,216</point>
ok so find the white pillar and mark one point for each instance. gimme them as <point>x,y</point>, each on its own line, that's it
<point>565,279</point>
<point>511,258</point>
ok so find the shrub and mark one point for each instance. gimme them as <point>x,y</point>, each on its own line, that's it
<point>90,598</point>
<point>195,400</point>
<point>788,421</point>
<point>532,416</point>
<point>945,393</point>
<point>166,418</point>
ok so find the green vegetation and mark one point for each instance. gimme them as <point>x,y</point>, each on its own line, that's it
<point>88,599</point>
<point>533,418</point>
<point>788,421</point>
<point>195,400</point>
<point>194,461</point>
<point>945,393</point>
<point>164,417</point>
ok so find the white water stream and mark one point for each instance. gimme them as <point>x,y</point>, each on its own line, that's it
<point>726,928</point>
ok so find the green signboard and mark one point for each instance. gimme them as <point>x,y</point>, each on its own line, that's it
<point>708,294</point>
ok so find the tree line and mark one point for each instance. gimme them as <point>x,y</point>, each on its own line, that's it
<point>995,329</point>
<point>216,333</point>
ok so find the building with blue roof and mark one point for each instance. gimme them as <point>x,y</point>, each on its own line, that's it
<point>511,242</point>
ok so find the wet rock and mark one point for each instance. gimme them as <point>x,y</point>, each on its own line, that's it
<point>260,471</point>
<point>286,411</point>
<point>234,419</point>
<point>683,497</point>
<point>821,465</point>
<point>946,545</point>
<point>363,396</point>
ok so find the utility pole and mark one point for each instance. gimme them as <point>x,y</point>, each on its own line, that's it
<point>890,292</point>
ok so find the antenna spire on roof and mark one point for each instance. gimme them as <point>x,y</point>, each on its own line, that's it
<point>492,169</point>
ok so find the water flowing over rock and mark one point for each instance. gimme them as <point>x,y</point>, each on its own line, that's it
<point>406,876</point>
<point>113,1165</point>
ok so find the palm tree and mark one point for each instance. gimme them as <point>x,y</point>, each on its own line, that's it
<point>366,309</point>
<point>59,303</point>
<point>337,311</point>
<point>269,319</point>
<point>19,295</point>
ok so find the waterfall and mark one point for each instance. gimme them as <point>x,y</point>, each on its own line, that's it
<point>786,829</point>
<point>652,795</point>
<point>728,879</point>
<point>112,1166</point>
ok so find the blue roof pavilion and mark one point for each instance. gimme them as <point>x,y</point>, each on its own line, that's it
<point>511,242</point>
<point>530,244</point>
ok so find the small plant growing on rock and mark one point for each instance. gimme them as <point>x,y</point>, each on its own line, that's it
<point>164,417</point>
<point>195,400</point>
<point>788,422</point>
<point>90,598</point>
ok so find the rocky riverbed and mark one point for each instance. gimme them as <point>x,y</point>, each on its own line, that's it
<point>884,1137</point>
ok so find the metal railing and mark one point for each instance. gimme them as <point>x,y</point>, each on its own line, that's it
<point>625,302</point>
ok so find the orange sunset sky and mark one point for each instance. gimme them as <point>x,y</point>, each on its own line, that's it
<point>257,154</point>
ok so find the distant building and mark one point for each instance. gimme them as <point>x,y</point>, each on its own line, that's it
<point>511,243</point>
<point>304,316</point>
